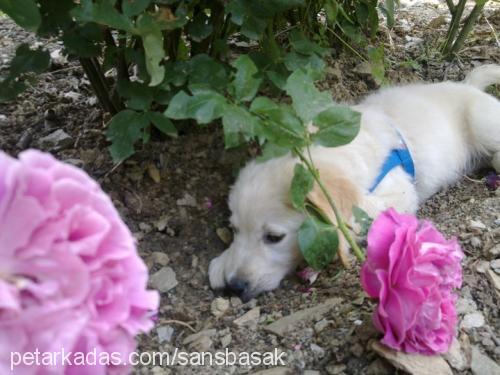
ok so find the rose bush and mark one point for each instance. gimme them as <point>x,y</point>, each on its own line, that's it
<point>70,275</point>
<point>412,270</point>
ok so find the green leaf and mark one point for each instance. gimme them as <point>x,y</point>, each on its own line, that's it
<point>134,7</point>
<point>308,101</point>
<point>10,89</point>
<point>244,83</point>
<point>103,12</point>
<point>83,41</point>
<point>124,129</point>
<point>55,16</point>
<point>204,70</point>
<point>301,44</point>
<point>271,151</point>
<point>176,73</point>
<point>337,125</point>
<point>302,184</point>
<point>24,12</point>
<point>200,27</point>
<point>377,63</point>
<point>363,220</point>
<point>204,106</point>
<point>139,95</point>
<point>295,61</point>
<point>238,125</point>
<point>244,14</point>
<point>331,10</point>
<point>162,123</point>
<point>280,125</point>
<point>152,39</point>
<point>318,242</point>
<point>387,9</point>
<point>28,60</point>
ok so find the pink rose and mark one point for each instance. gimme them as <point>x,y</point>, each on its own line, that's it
<point>70,275</point>
<point>412,270</point>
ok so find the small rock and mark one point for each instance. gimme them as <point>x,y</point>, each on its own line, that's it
<point>225,235</point>
<point>318,350</point>
<point>363,69</point>
<point>226,340</point>
<point>466,305</point>
<point>195,336</point>
<point>437,22</point>
<point>495,251</point>
<point>311,372</point>
<point>202,344</point>
<point>482,364</point>
<point>248,318</point>
<point>379,367</point>
<point>476,242</point>
<point>187,200</point>
<point>335,369</point>
<point>495,264</point>
<point>25,139</point>
<point>494,279</point>
<point>165,333</point>
<point>219,306</point>
<point>56,140</point>
<point>357,350</point>
<point>287,323</point>
<point>160,258</point>
<point>145,227</point>
<point>321,325</point>
<point>194,261</point>
<point>235,301</point>
<point>472,320</point>
<point>154,173</point>
<point>482,266</point>
<point>164,280</point>
<point>456,357</point>
<point>161,223</point>
<point>477,225</point>
<point>413,363</point>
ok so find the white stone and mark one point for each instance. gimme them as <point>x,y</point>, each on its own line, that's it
<point>414,364</point>
<point>482,364</point>
<point>219,306</point>
<point>456,357</point>
<point>472,320</point>
<point>164,280</point>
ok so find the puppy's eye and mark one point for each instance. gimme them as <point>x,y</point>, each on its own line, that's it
<point>273,238</point>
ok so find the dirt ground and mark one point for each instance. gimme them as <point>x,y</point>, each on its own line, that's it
<point>184,214</point>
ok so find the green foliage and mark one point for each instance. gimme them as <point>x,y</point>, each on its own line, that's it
<point>171,60</point>
<point>302,184</point>
<point>318,242</point>
<point>24,12</point>
<point>362,219</point>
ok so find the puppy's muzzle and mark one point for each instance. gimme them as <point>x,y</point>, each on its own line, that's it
<point>239,287</point>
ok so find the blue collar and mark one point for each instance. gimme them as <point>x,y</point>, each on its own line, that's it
<point>398,157</point>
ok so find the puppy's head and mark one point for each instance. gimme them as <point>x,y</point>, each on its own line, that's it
<point>264,248</point>
<point>265,227</point>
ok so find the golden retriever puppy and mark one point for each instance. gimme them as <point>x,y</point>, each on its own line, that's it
<point>443,130</point>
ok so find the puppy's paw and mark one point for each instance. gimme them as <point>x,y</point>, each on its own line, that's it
<point>216,273</point>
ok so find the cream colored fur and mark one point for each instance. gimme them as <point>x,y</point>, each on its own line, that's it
<point>448,127</point>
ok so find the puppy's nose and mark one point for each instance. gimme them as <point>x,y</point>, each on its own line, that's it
<point>237,286</point>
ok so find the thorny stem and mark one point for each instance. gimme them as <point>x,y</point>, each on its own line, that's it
<point>340,221</point>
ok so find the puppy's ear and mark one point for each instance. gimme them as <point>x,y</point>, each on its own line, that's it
<point>345,194</point>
